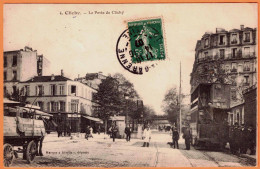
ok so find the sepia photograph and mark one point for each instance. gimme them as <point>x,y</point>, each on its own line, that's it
<point>130,85</point>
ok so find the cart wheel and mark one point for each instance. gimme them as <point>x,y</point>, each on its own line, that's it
<point>31,151</point>
<point>8,155</point>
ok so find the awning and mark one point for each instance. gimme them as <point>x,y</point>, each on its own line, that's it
<point>38,112</point>
<point>32,106</point>
<point>7,101</point>
<point>94,119</point>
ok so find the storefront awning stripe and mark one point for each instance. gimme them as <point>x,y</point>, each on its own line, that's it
<point>93,119</point>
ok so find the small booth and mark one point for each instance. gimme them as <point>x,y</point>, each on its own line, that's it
<point>120,122</point>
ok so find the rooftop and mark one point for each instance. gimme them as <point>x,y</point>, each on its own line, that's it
<point>53,78</point>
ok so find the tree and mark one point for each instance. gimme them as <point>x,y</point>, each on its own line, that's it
<point>171,105</point>
<point>125,86</point>
<point>128,95</point>
<point>148,112</point>
<point>108,98</point>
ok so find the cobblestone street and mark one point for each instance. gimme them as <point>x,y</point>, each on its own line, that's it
<point>100,152</point>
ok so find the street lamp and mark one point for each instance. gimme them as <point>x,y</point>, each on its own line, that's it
<point>126,98</point>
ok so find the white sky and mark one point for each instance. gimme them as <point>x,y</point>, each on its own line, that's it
<point>87,43</point>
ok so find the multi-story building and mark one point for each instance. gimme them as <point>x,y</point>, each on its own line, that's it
<point>60,96</point>
<point>92,79</point>
<point>228,58</point>
<point>21,65</point>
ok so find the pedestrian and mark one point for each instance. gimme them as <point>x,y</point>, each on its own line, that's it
<point>91,132</point>
<point>99,129</point>
<point>114,131</point>
<point>128,133</point>
<point>187,136</point>
<point>87,132</point>
<point>251,140</point>
<point>244,139</point>
<point>175,137</point>
<point>146,136</point>
<point>59,130</point>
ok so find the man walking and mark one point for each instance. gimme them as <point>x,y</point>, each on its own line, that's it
<point>114,131</point>
<point>175,137</point>
<point>128,133</point>
<point>187,137</point>
<point>147,136</point>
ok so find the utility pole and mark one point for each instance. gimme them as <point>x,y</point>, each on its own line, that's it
<point>180,121</point>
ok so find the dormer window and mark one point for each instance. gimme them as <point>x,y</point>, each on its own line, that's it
<point>234,39</point>
<point>247,37</point>
<point>222,40</point>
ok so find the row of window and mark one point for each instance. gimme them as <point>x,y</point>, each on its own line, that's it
<point>39,90</point>
<point>53,106</point>
<point>234,39</point>
<point>235,53</point>
<point>233,67</point>
<point>60,106</point>
<point>14,63</point>
<point>54,90</point>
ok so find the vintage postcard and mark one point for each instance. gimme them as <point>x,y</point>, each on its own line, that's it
<point>130,85</point>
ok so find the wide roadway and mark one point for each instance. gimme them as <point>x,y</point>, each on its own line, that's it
<point>100,151</point>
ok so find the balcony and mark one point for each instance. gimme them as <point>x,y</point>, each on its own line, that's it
<point>246,69</point>
<point>247,40</point>
<point>221,43</point>
<point>233,70</point>
<point>233,42</point>
<point>249,55</point>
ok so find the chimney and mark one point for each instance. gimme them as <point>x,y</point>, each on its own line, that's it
<point>61,72</point>
<point>52,77</point>
<point>241,27</point>
<point>78,76</point>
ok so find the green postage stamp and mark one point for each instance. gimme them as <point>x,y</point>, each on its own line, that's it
<point>142,45</point>
<point>146,40</point>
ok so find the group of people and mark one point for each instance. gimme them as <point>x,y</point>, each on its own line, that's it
<point>242,139</point>
<point>176,136</point>
<point>63,130</point>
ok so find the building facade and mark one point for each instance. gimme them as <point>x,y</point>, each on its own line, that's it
<point>21,65</point>
<point>92,79</point>
<point>64,98</point>
<point>227,57</point>
<point>250,107</point>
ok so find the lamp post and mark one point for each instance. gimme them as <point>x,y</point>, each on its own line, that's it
<point>126,98</point>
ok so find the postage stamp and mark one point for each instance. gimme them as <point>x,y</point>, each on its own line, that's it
<point>141,46</point>
<point>146,40</point>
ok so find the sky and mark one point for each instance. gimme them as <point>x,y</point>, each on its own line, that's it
<point>86,43</point>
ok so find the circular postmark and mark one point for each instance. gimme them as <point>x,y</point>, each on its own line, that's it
<point>141,46</point>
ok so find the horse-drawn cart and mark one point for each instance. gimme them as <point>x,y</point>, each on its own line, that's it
<point>23,127</point>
